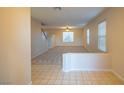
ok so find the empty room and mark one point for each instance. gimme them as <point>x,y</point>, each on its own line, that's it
<point>77,45</point>
<point>62,46</point>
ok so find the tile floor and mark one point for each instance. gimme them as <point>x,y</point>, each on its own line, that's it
<point>47,70</point>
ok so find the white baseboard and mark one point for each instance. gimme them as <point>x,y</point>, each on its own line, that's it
<point>30,83</point>
<point>120,77</point>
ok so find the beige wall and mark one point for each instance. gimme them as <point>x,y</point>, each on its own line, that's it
<point>115,36</point>
<point>3,55</point>
<point>78,37</point>
<point>16,49</point>
<point>39,44</point>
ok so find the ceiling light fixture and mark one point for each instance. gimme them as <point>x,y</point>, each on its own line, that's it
<point>57,8</point>
<point>67,28</point>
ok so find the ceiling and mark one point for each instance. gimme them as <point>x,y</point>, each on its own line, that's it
<point>67,16</point>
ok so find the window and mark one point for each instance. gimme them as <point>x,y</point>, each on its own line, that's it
<point>67,36</point>
<point>102,36</point>
<point>88,36</point>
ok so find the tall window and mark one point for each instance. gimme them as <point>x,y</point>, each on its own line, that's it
<point>102,36</point>
<point>68,37</point>
<point>88,36</point>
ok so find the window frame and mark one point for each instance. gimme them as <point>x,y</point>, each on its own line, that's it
<point>88,36</point>
<point>68,41</point>
<point>102,36</point>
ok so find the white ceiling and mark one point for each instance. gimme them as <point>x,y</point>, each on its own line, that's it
<point>71,16</point>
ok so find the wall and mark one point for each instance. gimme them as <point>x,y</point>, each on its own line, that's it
<point>86,62</point>
<point>3,57</point>
<point>51,40</point>
<point>78,37</point>
<point>16,46</point>
<point>115,31</point>
<point>39,44</point>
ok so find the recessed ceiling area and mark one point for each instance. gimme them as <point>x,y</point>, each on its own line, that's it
<point>66,16</point>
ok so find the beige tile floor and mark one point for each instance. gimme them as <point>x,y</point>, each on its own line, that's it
<point>47,70</point>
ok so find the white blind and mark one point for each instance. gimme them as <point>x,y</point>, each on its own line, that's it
<point>68,36</point>
<point>102,36</point>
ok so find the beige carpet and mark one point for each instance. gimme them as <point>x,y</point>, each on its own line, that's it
<point>47,69</point>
